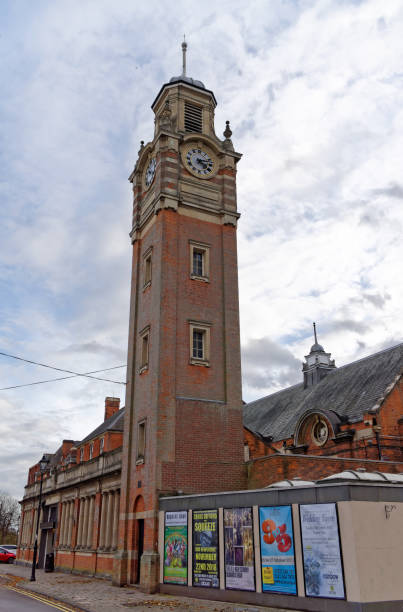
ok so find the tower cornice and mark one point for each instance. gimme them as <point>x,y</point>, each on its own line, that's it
<point>184,83</point>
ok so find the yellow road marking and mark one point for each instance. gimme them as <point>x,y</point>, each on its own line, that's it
<point>42,598</point>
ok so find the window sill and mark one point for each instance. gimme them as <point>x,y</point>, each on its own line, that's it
<point>143,369</point>
<point>204,279</point>
<point>199,362</point>
<point>140,461</point>
<point>147,285</point>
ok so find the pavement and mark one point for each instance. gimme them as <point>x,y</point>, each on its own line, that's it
<point>87,594</point>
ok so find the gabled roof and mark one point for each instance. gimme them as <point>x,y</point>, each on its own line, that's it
<point>349,391</point>
<point>114,423</point>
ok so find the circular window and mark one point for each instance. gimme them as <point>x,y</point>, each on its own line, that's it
<point>320,432</point>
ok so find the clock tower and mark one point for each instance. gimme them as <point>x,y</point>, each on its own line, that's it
<point>183,420</point>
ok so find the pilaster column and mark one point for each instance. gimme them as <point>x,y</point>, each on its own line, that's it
<point>109,521</point>
<point>76,508</point>
<point>104,500</point>
<point>70,524</point>
<point>62,539</point>
<point>80,523</point>
<point>59,525</point>
<point>85,522</point>
<point>90,521</point>
<point>31,535</point>
<point>115,519</point>
<point>96,532</point>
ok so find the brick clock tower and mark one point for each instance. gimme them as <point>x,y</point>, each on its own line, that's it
<point>183,421</point>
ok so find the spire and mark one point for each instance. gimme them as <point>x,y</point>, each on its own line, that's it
<point>316,347</point>
<point>184,48</point>
<point>183,76</point>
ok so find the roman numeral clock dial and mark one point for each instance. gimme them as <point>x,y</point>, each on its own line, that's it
<point>199,161</point>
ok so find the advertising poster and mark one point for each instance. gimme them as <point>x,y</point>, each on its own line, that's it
<point>176,547</point>
<point>277,550</point>
<point>323,570</point>
<point>205,548</point>
<point>239,557</point>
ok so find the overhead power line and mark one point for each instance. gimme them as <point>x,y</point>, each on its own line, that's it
<point>41,382</point>
<point>74,374</point>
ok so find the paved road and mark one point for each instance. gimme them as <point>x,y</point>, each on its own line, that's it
<point>11,601</point>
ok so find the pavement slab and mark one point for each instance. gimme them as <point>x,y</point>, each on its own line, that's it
<point>87,594</point>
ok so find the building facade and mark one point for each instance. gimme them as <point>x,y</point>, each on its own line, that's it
<point>81,498</point>
<point>184,429</point>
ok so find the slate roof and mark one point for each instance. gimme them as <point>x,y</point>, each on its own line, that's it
<point>114,423</point>
<point>349,391</point>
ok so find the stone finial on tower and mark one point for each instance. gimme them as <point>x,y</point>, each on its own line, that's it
<point>317,364</point>
<point>228,133</point>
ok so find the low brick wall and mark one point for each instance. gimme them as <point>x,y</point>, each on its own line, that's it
<point>264,471</point>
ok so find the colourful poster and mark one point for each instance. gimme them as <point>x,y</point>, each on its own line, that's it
<point>323,570</point>
<point>239,556</point>
<point>205,548</point>
<point>277,550</point>
<point>176,547</point>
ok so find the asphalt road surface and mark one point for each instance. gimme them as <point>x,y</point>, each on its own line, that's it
<point>11,601</point>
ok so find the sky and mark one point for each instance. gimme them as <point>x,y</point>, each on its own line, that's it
<point>314,93</point>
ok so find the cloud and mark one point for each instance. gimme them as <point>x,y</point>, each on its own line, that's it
<point>393,191</point>
<point>376,299</point>
<point>95,347</point>
<point>266,364</point>
<point>313,91</point>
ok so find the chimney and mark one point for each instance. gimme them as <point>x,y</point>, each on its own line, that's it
<point>111,406</point>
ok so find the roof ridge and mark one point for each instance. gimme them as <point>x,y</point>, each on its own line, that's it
<point>338,368</point>
<point>391,348</point>
<point>275,393</point>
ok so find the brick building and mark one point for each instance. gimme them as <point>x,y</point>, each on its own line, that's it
<point>335,419</point>
<point>181,429</point>
<point>81,495</point>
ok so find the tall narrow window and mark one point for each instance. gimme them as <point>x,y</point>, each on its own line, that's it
<point>81,454</point>
<point>91,450</point>
<point>101,445</point>
<point>144,348</point>
<point>199,343</point>
<point>147,268</point>
<point>199,261</point>
<point>141,441</point>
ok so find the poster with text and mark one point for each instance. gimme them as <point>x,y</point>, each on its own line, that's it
<point>176,547</point>
<point>277,550</point>
<point>205,548</point>
<point>239,557</point>
<point>323,570</point>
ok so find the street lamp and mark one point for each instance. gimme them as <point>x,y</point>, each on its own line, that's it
<point>42,467</point>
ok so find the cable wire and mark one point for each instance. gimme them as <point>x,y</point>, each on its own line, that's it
<point>41,382</point>
<point>74,374</point>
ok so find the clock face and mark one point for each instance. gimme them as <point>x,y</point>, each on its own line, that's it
<point>199,162</point>
<point>150,172</point>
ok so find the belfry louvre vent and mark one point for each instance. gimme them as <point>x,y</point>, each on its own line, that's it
<point>193,118</point>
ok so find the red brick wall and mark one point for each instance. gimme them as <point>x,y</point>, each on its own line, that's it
<point>267,470</point>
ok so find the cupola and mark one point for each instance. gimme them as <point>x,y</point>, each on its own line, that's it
<point>317,364</point>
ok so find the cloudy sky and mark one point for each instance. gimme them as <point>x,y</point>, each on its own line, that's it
<point>314,92</point>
